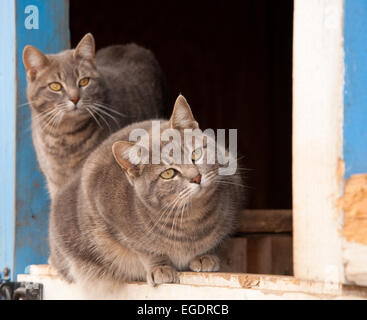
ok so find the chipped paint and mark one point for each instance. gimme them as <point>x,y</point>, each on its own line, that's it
<point>217,285</point>
<point>31,206</point>
<point>354,206</point>
<point>340,171</point>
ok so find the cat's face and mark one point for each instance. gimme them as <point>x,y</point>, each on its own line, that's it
<point>169,184</point>
<point>65,85</point>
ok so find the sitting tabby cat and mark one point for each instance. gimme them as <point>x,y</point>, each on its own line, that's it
<point>116,221</point>
<point>78,98</point>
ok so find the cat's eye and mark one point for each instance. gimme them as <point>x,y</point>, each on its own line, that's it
<point>196,154</point>
<point>55,86</point>
<point>168,174</point>
<point>83,82</point>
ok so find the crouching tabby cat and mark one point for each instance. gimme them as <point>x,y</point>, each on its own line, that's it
<point>118,221</point>
<point>78,98</point>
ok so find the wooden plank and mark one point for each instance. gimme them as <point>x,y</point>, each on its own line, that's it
<point>281,255</point>
<point>270,254</point>
<point>259,254</point>
<point>265,221</point>
<point>233,255</point>
<point>207,286</point>
<point>253,252</point>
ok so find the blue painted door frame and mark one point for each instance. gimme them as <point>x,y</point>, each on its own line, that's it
<point>355,89</point>
<point>24,202</point>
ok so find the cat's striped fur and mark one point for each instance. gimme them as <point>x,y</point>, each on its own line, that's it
<point>125,85</point>
<point>117,222</point>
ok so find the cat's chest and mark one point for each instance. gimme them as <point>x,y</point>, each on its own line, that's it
<point>64,148</point>
<point>60,157</point>
<point>180,254</point>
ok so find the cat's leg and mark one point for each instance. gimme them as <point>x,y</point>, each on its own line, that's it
<point>205,263</point>
<point>159,270</point>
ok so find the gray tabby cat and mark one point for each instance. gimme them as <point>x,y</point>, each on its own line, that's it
<point>116,221</point>
<point>78,98</point>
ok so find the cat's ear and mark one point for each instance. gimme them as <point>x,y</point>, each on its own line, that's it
<point>182,117</point>
<point>86,48</point>
<point>34,61</point>
<point>121,152</point>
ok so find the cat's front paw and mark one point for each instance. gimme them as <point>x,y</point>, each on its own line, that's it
<point>205,263</point>
<point>162,274</point>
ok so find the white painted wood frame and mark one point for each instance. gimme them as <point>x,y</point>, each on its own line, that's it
<point>318,73</point>
<point>198,286</point>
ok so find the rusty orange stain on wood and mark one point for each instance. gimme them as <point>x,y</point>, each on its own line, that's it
<point>354,205</point>
<point>340,171</point>
<point>248,282</point>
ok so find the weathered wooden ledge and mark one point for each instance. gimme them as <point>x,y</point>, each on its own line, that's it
<point>206,286</point>
<point>265,221</point>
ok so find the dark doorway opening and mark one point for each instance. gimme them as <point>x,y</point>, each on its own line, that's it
<point>233,62</point>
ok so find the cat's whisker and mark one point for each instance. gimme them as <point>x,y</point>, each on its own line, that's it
<point>55,116</point>
<point>166,208</point>
<point>178,199</point>
<point>95,106</point>
<point>148,233</point>
<point>104,120</point>
<point>110,109</point>
<point>175,206</point>
<point>211,174</point>
<point>184,192</point>
<point>183,212</point>
<point>25,104</point>
<point>97,111</point>
<point>44,114</point>
<point>106,104</point>
<point>58,118</point>
<point>49,122</point>
<point>176,214</point>
<point>94,117</point>
<point>107,114</point>
<point>183,204</point>
<point>240,158</point>
<point>231,183</point>
<point>46,118</point>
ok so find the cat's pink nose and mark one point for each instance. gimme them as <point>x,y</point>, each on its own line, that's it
<point>197,179</point>
<point>74,100</point>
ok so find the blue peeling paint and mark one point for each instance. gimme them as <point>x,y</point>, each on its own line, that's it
<point>7,132</point>
<point>32,202</point>
<point>355,91</point>
<point>27,204</point>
